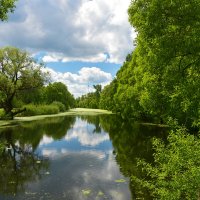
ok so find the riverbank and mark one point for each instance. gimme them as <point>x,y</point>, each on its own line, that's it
<point>71,112</point>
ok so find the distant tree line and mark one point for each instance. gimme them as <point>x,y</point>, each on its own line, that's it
<point>90,100</point>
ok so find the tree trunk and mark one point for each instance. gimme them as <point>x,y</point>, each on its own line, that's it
<point>9,113</point>
<point>8,110</point>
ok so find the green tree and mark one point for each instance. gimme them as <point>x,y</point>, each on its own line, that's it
<point>6,6</point>
<point>168,55</point>
<point>98,89</point>
<point>107,96</point>
<point>159,80</point>
<point>59,92</point>
<point>90,100</point>
<point>18,72</point>
<point>35,96</point>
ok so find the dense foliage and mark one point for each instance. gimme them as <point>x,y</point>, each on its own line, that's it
<point>161,79</point>
<point>175,173</point>
<point>90,100</point>
<point>59,92</point>
<point>6,6</point>
<point>18,73</point>
<point>22,82</point>
<point>50,99</point>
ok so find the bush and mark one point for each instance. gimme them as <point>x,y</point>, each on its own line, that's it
<point>2,113</point>
<point>175,173</point>
<point>32,110</point>
<point>60,105</point>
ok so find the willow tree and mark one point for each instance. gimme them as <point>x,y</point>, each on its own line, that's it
<point>18,73</point>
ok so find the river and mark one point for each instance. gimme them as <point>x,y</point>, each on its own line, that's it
<point>74,158</point>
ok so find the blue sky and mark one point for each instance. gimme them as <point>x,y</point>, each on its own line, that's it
<point>81,42</point>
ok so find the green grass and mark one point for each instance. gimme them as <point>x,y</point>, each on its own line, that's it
<point>90,111</point>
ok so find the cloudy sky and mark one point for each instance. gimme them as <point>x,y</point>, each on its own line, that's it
<point>82,42</point>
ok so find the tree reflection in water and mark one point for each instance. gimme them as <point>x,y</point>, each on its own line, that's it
<point>19,165</point>
<point>131,141</point>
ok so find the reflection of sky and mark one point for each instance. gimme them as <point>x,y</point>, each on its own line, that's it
<point>82,160</point>
<point>69,175</point>
<point>80,138</point>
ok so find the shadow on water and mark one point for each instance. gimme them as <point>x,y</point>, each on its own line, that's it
<point>132,141</point>
<point>20,163</point>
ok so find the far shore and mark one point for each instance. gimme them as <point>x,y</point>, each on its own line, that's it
<point>75,111</point>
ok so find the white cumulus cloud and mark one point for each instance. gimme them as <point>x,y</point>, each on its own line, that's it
<point>83,132</point>
<point>69,30</point>
<point>83,81</point>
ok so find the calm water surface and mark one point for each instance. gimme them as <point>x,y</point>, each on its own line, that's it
<point>74,158</point>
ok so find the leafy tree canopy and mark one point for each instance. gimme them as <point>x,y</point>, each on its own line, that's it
<point>6,6</point>
<point>161,77</point>
<point>18,73</point>
<point>59,92</point>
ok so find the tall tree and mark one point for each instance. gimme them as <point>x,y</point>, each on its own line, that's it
<point>59,92</point>
<point>6,6</point>
<point>168,55</point>
<point>107,96</point>
<point>18,72</point>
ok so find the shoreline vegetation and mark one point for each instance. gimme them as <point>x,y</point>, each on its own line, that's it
<point>71,112</point>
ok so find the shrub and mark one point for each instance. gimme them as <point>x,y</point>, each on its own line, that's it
<point>60,105</point>
<point>175,173</point>
<point>2,113</point>
<point>32,110</point>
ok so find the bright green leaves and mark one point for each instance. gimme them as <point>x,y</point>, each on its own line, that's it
<point>18,72</point>
<point>169,28</point>
<point>168,55</point>
<point>107,96</point>
<point>176,172</point>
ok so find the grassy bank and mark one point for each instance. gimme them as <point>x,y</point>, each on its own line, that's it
<point>71,112</point>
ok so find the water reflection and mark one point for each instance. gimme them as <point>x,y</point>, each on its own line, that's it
<point>83,157</point>
<point>19,164</point>
<point>130,142</point>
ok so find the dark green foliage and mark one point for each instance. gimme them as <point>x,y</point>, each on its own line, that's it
<point>87,101</point>
<point>55,94</point>
<point>6,6</point>
<point>35,96</point>
<point>59,92</point>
